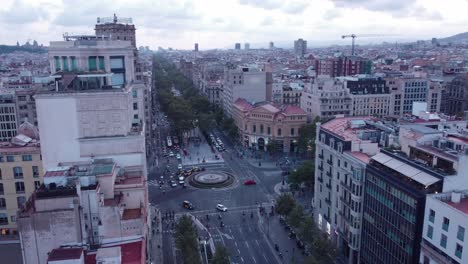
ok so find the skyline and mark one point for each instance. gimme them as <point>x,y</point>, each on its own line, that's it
<point>179,24</point>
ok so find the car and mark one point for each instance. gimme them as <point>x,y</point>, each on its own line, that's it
<point>179,166</point>
<point>173,184</point>
<point>221,207</point>
<point>250,182</point>
<point>300,244</point>
<point>178,156</point>
<point>181,178</point>
<point>188,205</point>
<point>181,182</point>
<point>171,154</point>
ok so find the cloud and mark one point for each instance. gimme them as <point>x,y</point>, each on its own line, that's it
<point>267,21</point>
<point>332,14</point>
<point>397,8</point>
<point>290,7</point>
<point>22,13</point>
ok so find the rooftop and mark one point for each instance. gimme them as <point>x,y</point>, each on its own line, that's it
<point>293,110</point>
<point>461,206</point>
<point>65,254</point>
<point>342,127</point>
<point>132,253</point>
<point>129,214</point>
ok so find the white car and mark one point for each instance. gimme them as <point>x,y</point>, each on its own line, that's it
<point>178,156</point>
<point>221,207</point>
<point>171,154</point>
<point>181,178</point>
<point>179,166</point>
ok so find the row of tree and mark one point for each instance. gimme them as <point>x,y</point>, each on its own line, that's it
<point>317,242</point>
<point>191,109</point>
<point>186,240</point>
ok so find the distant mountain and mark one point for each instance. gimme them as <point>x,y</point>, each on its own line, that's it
<point>29,48</point>
<point>456,39</point>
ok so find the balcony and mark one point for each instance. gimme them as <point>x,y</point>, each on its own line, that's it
<point>328,201</point>
<point>330,162</point>
<point>328,173</point>
<point>320,156</point>
<point>328,186</point>
<point>344,185</point>
<point>345,202</point>
<point>320,167</point>
<point>320,179</point>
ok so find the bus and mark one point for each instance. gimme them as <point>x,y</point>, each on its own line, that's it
<point>169,141</point>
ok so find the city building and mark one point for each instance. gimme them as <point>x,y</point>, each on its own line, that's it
<point>262,123</point>
<point>271,45</point>
<point>8,116</point>
<point>370,96</point>
<point>237,46</point>
<point>456,101</point>
<point>246,46</point>
<point>20,175</point>
<point>445,225</point>
<point>343,150</point>
<point>196,47</point>
<point>116,28</point>
<point>291,94</point>
<point>343,66</point>
<point>243,82</point>
<point>393,211</point>
<point>300,47</point>
<point>90,206</point>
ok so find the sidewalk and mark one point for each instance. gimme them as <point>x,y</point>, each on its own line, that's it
<point>156,253</point>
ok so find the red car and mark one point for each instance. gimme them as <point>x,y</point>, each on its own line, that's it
<point>249,182</point>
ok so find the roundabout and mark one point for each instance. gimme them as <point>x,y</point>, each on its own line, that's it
<point>212,179</point>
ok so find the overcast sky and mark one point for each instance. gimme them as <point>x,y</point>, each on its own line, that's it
<point>221,23</point>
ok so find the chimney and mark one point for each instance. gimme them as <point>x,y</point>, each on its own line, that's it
<point>456,197</point>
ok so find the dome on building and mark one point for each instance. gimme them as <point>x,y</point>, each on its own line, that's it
<point>29,130</point>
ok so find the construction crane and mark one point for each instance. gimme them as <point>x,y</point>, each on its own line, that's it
<point>353,36</point>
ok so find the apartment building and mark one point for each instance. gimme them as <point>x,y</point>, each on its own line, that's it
<point>369,95</point>
<point>300,47</point>
<point>243,82</point>
<point>445,225</point>
<point>291,94</point>
<point>261,123</point>
<point>343,150</point>
<point>89,206</point>
<point>8,117</point>
<point>456,101</point>
<point>343,66</point>
<point>20,175</point>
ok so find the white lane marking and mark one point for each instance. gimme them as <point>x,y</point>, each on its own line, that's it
<point>235,243</point>
<point>238,251</point>
<point>242,259</point>
<point>247,244</point>
<point>256,241</point>
<point>265,257</point>
<point>254,259</point>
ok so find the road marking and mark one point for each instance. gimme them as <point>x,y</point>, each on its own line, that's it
<point>235,242</point>
<point>256,241</point>
<point>247,244</point>
<point>265,257</point>
<point>242,259</point>
<point>254,259</point>
<point>238,251</point>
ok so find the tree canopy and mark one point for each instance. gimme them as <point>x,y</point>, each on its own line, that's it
<point>284,204</point>
<point>186,240</point>
<point>221,256</point>
<point>303,174</point>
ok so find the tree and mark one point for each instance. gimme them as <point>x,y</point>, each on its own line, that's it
<point>325,251</point>
<point>186,240</point>
<point>284,204</point>
<point>296,216</point>
<point>303,174</point>
<point>274,147</point>
<point>200,104</point>
<point>221,256</point>
<point>307,135</point>
<point>206,122</point>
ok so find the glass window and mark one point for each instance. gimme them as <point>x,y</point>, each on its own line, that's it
<point>19,186</point>
<point>118,79</point>
<point>279,131</point>
<point>3,219</point>
<point>443,241</point>
<point>92,63</point>
<point>35,170</point>
<point>431,215</point>
<point>18,172</point>
<point>445,224</point>
<point>254,128</point>
<point>2,203</point>
<point>461,233</point>
<point>1,159</point>
<point>20,200</point>
<point>37,184</point>
<point>134,93</point>
<point>11,158</point>
<point>65,63</point>
<point>27,157</point>
<point>74,64</point>
<point>57,63</point>
<point>1,188</point>
<point>117,62</point>
<point>292,131</point>
<point>101,63</point>
<point>268,130</point>
<point>430,231</point>
<point>135,106</point>
<point>459,251</point>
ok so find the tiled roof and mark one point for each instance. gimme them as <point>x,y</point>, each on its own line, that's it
<point>132,253</point>
<point>242,104</point>
<point>293,110</point>
<point>131,214</point>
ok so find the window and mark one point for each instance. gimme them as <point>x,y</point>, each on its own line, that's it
<point>20,200</point>
<point>261,129</point>
<point>92,63</point>
<point>19,186</point>
<point>431,215</point>
<point>1,173</point>
<point>445,224</point>
<point>18,172</point>
<point>135,93</point>
<point>2,203</point>
<point>3,219</point>
<point>135,106</point>
<point>292,131</point>
<point>27,157</point>
<point>430,231</point>
<point>11,158</point>
<point>13,218</point>
<point>65,63</point>
<point>279,131</point>
<point>268,130</point>
<point>458,251</point>
<point>254,128</point>
<point>443,241</point>
<point>74,64</point>
<point>461,233</point>
<point>1,159</point>
<point>37,184</point>
<point>35,170</point>
<point>57,63</point>
<point>1,188</point>
<point>101,63</point>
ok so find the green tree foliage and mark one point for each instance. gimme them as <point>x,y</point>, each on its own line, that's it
<point>303,174</point>
<point>307,134</point>
<point>296,216</point>
<point>285,203</point>
<point>325,251</point>
<point>186,240</point>
<point>221,256</point>
<point>308,230</point>
<point>274,147</point>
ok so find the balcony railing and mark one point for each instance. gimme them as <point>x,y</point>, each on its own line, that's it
<point>320,156</point>
<point>320,167</point>
<point>320,179</point>
<point>328,201</point>
<point>328,186</point>
<point>328,173</point>
<point>329,161</point>
<point>445,227</point>
<point>431,218</point>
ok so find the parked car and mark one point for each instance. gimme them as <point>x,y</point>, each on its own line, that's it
<point>178,156</point>
<point>171,154</point>
<point>179,166</point>
<point>250,182</point>
<point>173,184</point>
<point>221,207</point>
